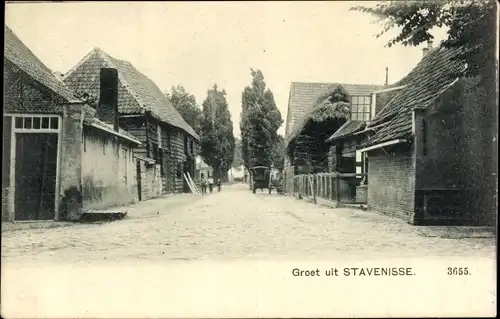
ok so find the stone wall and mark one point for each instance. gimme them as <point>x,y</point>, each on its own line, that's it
<point>71,203</point>
<point>109,175</point>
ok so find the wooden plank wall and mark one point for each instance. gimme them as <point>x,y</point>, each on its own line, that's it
<point>178,158</point>
<point>134,126</point>
<point>167,164</point>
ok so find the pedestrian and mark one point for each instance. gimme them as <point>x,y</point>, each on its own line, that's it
<point>210,183</point>
<point>203,183</point>
<point>218,184</point>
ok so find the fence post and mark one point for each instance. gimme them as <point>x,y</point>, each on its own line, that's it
<point>337,191</point>
<point>314,189</point>
<point>325,189</point>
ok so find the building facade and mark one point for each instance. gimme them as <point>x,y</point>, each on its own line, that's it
<point>167,141</point>
<point>49,150</point>
<point>429,154</point>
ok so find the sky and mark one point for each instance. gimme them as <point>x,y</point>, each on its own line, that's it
<point>198,44</point>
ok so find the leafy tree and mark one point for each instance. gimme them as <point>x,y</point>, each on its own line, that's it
<point>238,159</point>
<point>278,158</point>
<point>471,26</point>
<point>185,104</point>
<point>217,138</point>
<point>260,121</point>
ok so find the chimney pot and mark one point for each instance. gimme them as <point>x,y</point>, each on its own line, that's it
<point>428,48</point>
<point>107,110</point>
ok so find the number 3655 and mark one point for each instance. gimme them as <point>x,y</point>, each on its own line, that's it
<point>458,271</point>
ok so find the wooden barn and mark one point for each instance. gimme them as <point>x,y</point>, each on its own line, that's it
<point>167,142</point>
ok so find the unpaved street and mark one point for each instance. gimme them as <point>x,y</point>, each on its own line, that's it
<point>234,224</point>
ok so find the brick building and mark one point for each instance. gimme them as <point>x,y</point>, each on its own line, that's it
<point>52,142</point>
<point>167,142</point>
<point>429,147</point>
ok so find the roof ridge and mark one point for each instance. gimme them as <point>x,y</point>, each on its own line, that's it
<point>76,66</point>
<point>30,51</point>
<point>334,83</point>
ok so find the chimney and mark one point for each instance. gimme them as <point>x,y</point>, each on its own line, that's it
<point>107,110</point>
<point>386,76</point>
<point>428,48</point>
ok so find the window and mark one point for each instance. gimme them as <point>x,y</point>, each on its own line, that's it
<point>159,135</point>
<point>360,108</point>
<point>35,123</point>
<point>155,151</point>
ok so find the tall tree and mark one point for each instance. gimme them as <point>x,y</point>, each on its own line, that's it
<point>238,159</point>
<point>185,104</point>
<point>278,158</point>
<point>217,138</point>
<point>260,121</point>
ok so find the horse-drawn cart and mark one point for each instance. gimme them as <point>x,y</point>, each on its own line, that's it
<point>262,178</point>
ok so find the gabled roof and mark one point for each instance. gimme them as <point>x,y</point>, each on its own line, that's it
<point>303,95</point>
<point>137,93</point>
<point>349,127</point>
<point>16,52</point>
<point>433,75</point>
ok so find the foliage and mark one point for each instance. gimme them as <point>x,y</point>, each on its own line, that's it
<point>278,153</point>
<point>333,104</point>
<point>260,121</point>
<point>471,26</point>
<point>185,104</point>
<point>217,138</point>
<point>238,159</point>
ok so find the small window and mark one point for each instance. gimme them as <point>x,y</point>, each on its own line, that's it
<point>54,123</point>
<point>28,122</point>
<point>19,122</point>
<point>36,123</point>
<point>45,122</point>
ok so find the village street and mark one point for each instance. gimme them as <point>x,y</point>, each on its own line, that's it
<point>234,224</point>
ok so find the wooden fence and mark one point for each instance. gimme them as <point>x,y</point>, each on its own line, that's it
<point>325,186</point>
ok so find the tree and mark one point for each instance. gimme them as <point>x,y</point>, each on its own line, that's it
<point>278,158</point>
<point>217,138</point>
<point>238,159</point>
<point>260,121</point>
<point>471,27</point>
<point>185,104</point>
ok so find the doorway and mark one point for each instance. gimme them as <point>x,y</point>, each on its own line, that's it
<point>35,176</point>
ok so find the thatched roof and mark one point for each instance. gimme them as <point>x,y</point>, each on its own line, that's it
<point>323,110</point>
<point>303,95</point>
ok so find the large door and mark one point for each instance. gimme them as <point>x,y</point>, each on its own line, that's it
<point>35,176</point>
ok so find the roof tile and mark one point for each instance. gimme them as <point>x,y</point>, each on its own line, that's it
<point>428,80</point>
<point>21,56</point>
<point>350,127</point>
<point>136,92</point>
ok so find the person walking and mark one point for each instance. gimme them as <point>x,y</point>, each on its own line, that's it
<point>203,183</point>
<point>210,183</point>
